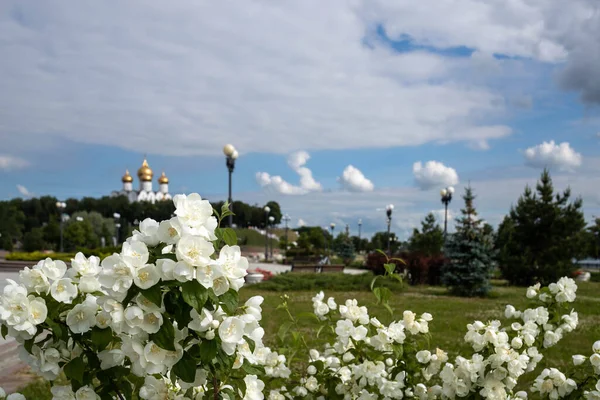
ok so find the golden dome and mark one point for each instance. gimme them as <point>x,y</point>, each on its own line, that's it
<point>127,177</point>
<point>145,173</point>
<point>163,178</point>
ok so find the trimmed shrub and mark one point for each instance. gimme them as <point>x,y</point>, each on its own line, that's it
<point>292,281</point>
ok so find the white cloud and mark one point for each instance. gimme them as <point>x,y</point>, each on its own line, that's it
<point>301,223</point>
<point>354,180</point>
<point>8,162</point>
<point>267,76</point>
<point>297,162</point>
<point>24,191</point>
<point>550,154</point>
<point>434,174</point>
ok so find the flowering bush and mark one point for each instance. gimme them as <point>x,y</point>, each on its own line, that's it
<point>369,360</point>
<point>14,396</point>
<point>161,320</point>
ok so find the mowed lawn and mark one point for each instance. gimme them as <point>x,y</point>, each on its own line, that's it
<point>450,316</point>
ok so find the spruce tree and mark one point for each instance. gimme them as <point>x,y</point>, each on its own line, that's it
<point>430,240</point>
<point>470,253</point>
<point>541,236</point>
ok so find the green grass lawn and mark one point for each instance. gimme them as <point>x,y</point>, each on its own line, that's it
<point>450,316</point>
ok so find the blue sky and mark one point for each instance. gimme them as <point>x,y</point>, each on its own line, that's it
<point>481,92</point>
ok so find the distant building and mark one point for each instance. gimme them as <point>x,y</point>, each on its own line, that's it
<point>145,191</point>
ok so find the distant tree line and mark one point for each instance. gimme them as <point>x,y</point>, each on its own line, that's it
<point>35,223</point>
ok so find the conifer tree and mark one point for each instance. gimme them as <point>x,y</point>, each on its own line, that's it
<point>430,240</point>
<point>470,254</point>
<point>541,236</point>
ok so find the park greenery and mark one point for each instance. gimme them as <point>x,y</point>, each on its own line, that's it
<point>165,319</point>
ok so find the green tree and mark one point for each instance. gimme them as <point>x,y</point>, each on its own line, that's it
<point>344,248</point>
<point>379,241</point>
<point>470,254</point>
<point>316,238</point>
<point>304,241</point>
<point>34,240</point>
<point>11,225</point>
<point>79,234</point>
<point>593,240</point>
<point>541,235</point>
<point>429,240</point>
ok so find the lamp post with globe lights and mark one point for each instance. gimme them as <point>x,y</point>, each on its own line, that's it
<point>446,199</point>
<point>117,218</point>
<point>231,155</point>
<point>332,227</point>
<point>359,228</point>
<point>388,212</point>
<point>61,205</point>
<point>271,220</point>
<point>286,218</point>
<point>267,211</point>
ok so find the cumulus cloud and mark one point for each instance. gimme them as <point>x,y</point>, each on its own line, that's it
<point>301,223</point>
<point>354,180</point>
<point>230,72</point>
<point>24,191</point>
<point>8,162</point>
<point>296,162</point>
<point>550,154</point>
<point>434,174</point>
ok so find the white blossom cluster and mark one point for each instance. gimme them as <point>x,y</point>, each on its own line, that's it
<point>55,312</point>
<point>13,396</point>
<point>370,360</point>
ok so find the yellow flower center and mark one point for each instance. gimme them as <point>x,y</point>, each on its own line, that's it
<point>60,288</point>
<point>144,275</point>
<point>172,232</point>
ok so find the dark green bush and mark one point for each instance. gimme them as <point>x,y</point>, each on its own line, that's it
<point>291,281</point>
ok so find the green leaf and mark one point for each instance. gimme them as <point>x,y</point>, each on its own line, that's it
<point>186,368</point>
<point>252,369</point>
<point>387,307</point>
<point>165,337</point>
<point>74,369</point>
<point>320,329</point>
<point>229,237</point>
<point>283,330</point>
<point>179,309</point>
<point>195,351</point>
<point>389,268</point>
<point>373,282</point>
<point>28,344</point>
<point>251,344</point>
<point>154,294</point>
<point>208,351</point>
<point>101,337</point>
<point>377,293</point>
<point>229,301</point>
<point>3,331</point>
<point>309,315</point>
<point>194,294</point>
<point>131,293</point>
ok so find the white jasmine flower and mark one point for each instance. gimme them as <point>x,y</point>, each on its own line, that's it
<point>134,316</point>
<point>89,284</point>
<point>15,396</point>
<point>62,393</point>
<point>170,231</point>
<point>578,359</point>
<point>232,264</point>
<point>86,393</point>
<point>154,389</point>
<point>194,250</point>
<point>152,322</point>
<point>166,267</point>
<point>184,272</point>
<point>147,276</point>
<point>533,291</point>
<point>53,269</point>
<point>34,280</point>
<point>231,330</point>
<point>82,317</point>
<point>147,233</point>
<point>195,215</point>
<point>135,254</point>
<point>86,266</point>
<point>117,274</point>
<point>111,358</point>
<point>63,290</point>
<point>254,388</point>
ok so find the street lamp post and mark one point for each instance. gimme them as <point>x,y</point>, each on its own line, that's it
<point>267,210</point>
<point>359,228</point>
<point>446,199</point>
<point>231,155</point>
<point>286,218</point>
<point>332,227</point>
<point>117,218</point>
<point>271,220</point>
<point>388,211</point>
<point>61,205</point>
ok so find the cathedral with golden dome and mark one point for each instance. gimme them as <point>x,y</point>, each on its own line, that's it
<point>145,191</point>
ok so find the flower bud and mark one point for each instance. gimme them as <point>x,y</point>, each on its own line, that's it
<point>516,343</point>
<point>210,334</point>
<point>214,324</point>
<point>578,359</point>
<point>311,370</point>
